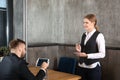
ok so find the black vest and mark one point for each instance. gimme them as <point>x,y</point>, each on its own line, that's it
<point>89,47</point>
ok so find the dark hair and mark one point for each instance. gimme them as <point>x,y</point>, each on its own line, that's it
<point>14,43</point>
<point>92,18</point>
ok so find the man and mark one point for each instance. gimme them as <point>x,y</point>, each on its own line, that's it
<point>14,67</point>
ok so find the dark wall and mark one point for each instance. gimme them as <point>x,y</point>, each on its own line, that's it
<point>3,39</point>
<point>6,23</point>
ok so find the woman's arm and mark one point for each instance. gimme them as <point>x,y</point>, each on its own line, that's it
<point>101,48</point>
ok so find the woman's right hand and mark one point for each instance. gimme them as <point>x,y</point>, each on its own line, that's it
<point>78,47</point>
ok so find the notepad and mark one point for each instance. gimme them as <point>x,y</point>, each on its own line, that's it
<point>41,60</point>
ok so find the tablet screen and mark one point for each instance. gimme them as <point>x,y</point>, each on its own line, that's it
<point>41,60</point>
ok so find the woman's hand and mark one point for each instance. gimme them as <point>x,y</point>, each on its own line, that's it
<point>80,54</point>
<point>78,47</point>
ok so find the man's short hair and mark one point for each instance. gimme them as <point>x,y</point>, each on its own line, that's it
<point>14,43</point>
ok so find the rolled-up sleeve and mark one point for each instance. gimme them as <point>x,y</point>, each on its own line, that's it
<point>100,40</point>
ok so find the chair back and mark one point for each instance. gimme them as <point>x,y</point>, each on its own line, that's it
<point>67,64</point>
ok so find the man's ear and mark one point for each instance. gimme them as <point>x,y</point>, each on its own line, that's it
<point>19,48</point>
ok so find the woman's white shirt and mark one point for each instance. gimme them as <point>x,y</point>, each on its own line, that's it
<point>101,49</point>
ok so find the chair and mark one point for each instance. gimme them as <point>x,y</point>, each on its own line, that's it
<point>67,65</point>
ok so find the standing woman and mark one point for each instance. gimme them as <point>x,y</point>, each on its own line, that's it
<point>90,50</point>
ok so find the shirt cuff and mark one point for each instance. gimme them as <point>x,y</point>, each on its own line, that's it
<point>89,56</point>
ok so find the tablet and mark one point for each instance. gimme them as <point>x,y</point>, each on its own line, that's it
<point>41,60</point>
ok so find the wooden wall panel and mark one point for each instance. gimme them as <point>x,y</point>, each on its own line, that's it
<point>110,64</point>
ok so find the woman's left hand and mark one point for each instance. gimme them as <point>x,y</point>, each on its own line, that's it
<point>80,54</point>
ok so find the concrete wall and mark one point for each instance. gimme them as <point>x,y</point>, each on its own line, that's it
<point>61,21</point>
<point>54,21</point>
<point>18,18</point>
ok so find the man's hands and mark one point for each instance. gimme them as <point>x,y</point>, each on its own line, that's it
<point>44,65</point>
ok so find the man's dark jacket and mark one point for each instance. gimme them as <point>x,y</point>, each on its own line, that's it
<point>15,68</point>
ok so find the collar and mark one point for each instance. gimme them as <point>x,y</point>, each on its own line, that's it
<point>24,61</point>
<point>90,33</point>
<point>13,54</point>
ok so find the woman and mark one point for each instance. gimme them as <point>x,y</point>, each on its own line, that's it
<point>90,50</point>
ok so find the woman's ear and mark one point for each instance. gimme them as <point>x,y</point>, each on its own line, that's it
<point>93,23</point>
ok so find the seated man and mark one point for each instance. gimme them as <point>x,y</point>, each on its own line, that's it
<point>14,67</point>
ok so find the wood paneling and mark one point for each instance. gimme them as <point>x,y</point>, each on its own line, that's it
<point>110,64</point>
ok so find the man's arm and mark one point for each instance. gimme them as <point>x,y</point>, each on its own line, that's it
<point>26,74</point>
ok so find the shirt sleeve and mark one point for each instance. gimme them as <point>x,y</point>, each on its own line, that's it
<point>101,48</point>
<point>25,73</point>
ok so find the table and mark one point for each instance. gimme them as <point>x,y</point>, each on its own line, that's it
<point>56,75</point>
